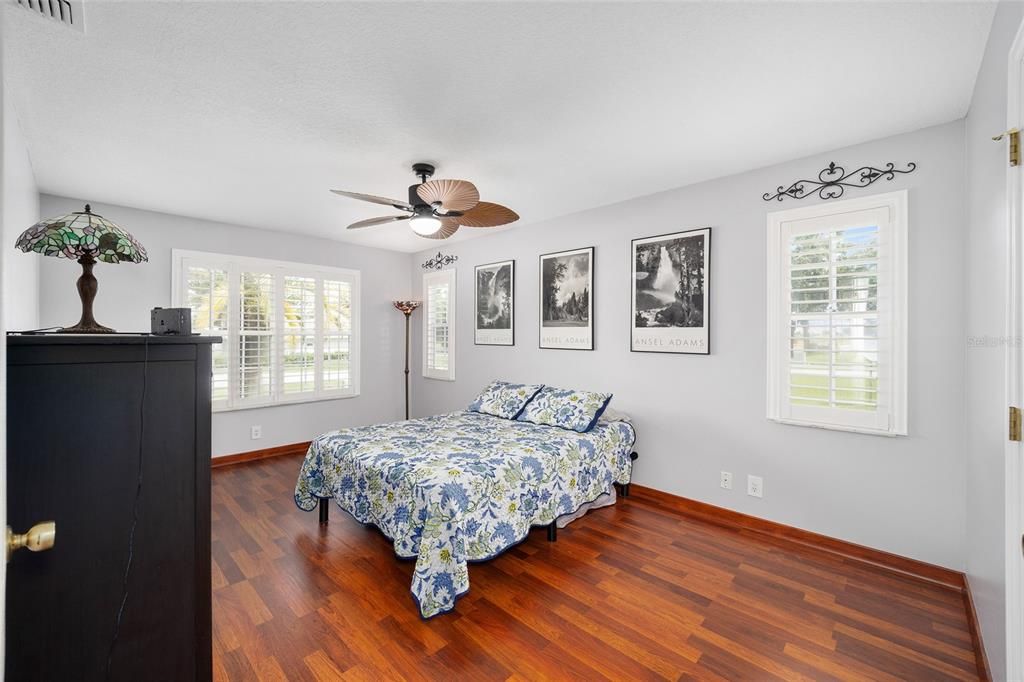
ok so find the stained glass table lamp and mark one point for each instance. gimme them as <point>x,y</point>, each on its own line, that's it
<point>89,238</point>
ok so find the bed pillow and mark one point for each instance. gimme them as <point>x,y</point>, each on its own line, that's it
<point>502,399</point>
<point>574,410</point>
<point>613,415</point>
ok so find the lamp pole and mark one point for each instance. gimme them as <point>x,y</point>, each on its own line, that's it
<point>406,308</point>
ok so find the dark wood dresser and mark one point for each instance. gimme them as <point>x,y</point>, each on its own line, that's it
<point>82,413</point>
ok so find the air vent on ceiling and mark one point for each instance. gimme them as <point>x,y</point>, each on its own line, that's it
<point>67,12</point>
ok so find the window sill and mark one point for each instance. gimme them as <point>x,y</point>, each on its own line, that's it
<point>283,403</point>
<point>439,378</point>
<point>838,427</point>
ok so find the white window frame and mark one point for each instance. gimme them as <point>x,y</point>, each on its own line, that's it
<point>181,259</point>
<point>446,277</point>
<point>893,235</point>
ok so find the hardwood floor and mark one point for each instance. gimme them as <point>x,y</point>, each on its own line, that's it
<point>635,591</point>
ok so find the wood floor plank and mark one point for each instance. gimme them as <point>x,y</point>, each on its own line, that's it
<point>514,645</point>
<point>637,591</point>
<point>802,624</point>
<point>905,652</point>
<point>834,664</point>
<point>643,650</point>
<point>768,661</point>
<point>898,632</point>
<point>322,667</point>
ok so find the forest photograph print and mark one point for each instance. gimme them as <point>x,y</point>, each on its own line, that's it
<point>670,293</point>
<point>495,304</point>
<point>566,299</point>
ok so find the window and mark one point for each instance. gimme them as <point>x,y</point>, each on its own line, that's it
<point>837,315</point>
<point>290,331</point>
<point>438,325</point>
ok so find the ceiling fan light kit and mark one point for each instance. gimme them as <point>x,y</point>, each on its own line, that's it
<point>436,208</point>
<point>424,225</point>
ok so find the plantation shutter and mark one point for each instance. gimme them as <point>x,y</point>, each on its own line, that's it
<point>438,340</point>
<point>336,335</point>
<point>208,295</point>
<point>838,318</point>
<point>299,341</point>
<point>256,360</point>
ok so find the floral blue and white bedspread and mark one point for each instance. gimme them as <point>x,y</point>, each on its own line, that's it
<point>461,487</point>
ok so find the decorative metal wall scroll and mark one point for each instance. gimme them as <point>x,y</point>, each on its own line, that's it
<point>834,180</point>
<point>439,261</point>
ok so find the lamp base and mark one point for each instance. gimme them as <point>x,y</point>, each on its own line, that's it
<point>87,292</point>
<point>86,329</point>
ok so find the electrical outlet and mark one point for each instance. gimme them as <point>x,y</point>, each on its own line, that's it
<point>256,432</point>
<point>755,486</point>
<point>727,480</point>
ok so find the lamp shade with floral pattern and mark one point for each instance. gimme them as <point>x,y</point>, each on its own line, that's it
<point>79,234</point>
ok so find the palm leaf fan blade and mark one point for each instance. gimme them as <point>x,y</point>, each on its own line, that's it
<point>374,199</point>
<point>451,195</point>
<point>486,214</point>
<point>370,222</point>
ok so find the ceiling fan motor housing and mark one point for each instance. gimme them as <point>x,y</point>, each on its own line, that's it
<point>414,198</point>
<point>424,171</point>
<point>422,210</point>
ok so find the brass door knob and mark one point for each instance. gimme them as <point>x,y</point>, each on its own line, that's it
<point>39,538</point>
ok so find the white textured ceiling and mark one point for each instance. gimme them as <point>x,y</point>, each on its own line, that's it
<point>248,112</point>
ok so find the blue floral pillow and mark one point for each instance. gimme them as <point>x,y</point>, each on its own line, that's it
<point>503,399</point>
<point>573,410</point>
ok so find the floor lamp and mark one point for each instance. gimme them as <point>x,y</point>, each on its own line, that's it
<point>406,307</point>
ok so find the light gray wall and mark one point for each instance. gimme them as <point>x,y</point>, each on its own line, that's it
<point>128,292</point>
<point>20,202</point>
<point>697,415</point>
<point>985,362</point>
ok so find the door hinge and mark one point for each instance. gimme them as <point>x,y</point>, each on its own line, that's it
<point>1014,135</point>
<point>1014,423</point>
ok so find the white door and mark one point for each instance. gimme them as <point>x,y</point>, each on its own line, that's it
<point>1014,454</point>
<point>3,386</point>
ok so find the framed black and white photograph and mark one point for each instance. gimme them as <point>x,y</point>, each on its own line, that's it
<point>567,299</point>
<point>670,301</point>
<point>495,304</point>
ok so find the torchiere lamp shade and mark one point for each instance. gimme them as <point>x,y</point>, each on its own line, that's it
<point>88,238</point>
<point>406,307</point>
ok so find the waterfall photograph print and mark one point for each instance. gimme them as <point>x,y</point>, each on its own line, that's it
<point>495,304</point>
<point>567,299</point>
<point>670,293</point>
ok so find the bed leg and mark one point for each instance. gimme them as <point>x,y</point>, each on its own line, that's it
<point>324,510</point>
<point>625,486</point>
<point>552,532</point>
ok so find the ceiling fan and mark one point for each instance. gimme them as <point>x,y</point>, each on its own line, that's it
<point>437,208</point>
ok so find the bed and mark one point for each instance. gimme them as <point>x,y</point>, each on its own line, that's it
<point>461,487</point>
